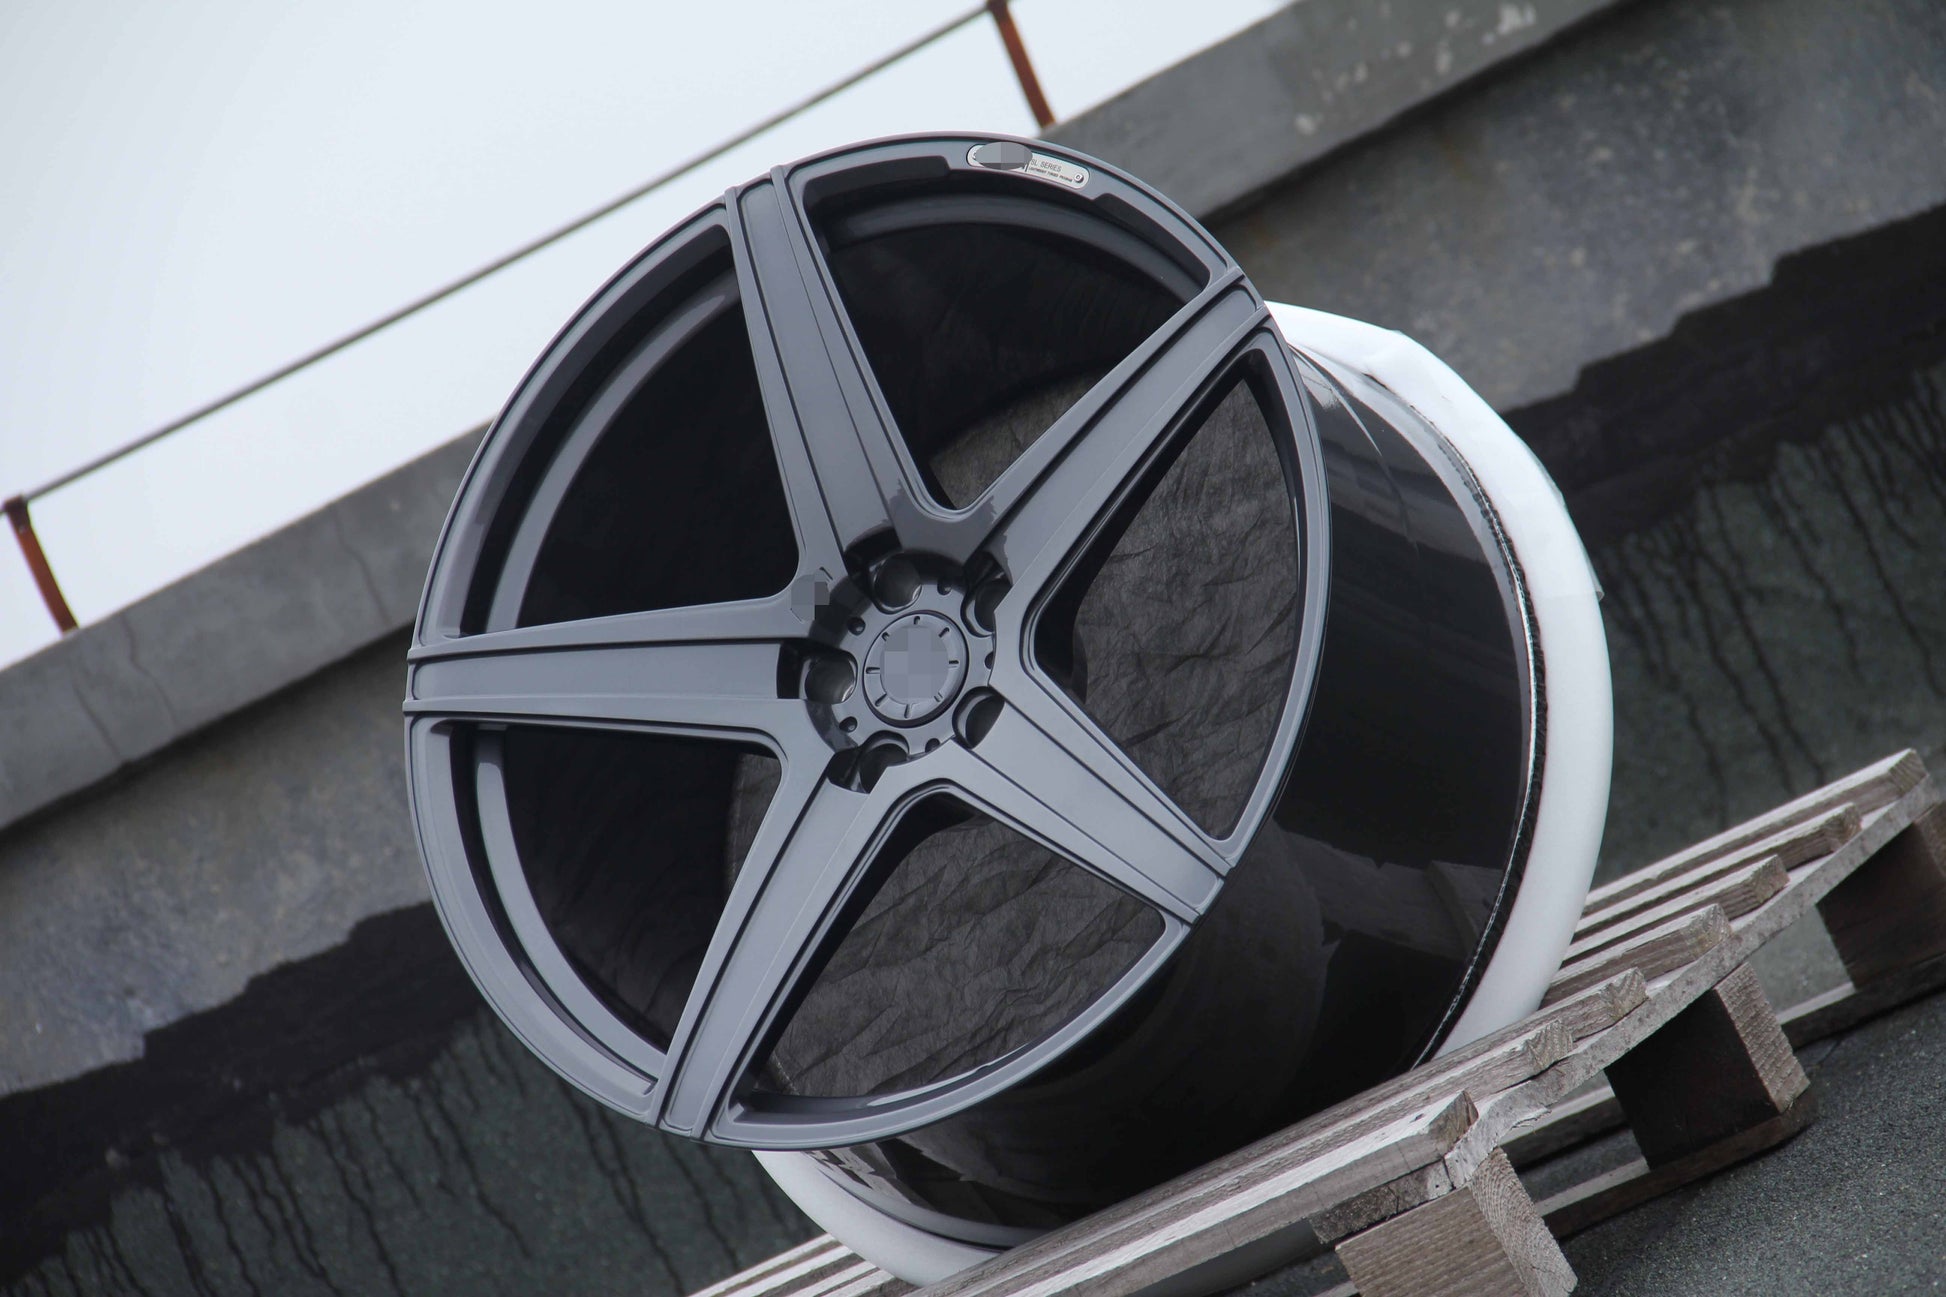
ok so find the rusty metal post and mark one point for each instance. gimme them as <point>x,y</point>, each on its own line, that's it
<point>30,548</point>
<point>1030,85</point>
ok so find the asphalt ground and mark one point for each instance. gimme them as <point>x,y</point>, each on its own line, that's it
<point>1854,1204</point>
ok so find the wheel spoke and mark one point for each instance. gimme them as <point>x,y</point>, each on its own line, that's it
<point>809,854</point>
<point>1046,501</point>
<point>1056,782</point>
<point>769,619</point>
<point>836,448</point>
<point>705,669</point>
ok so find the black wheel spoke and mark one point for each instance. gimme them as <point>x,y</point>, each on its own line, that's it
<point>685,670</point>
<point>809,853</point>
<point>1050,777</point>
<point>1039,509</point>
<point>836,448</point>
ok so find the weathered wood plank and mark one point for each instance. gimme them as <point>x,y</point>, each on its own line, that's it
<point>1571,1122</point>
<point>1597,1007</point>
<point>1891,913</point>
<point>1736,893</point>
<point>874,1283</point>
<point>1662,949</point>
<point>1482,1240</point>
<point>858,1279</point>
<point>1388,1200</point>
<point>1720,1067</point>
<point>1793,845</point>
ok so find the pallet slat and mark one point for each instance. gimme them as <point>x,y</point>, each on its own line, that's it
<point>1662,949</point>
<point>787,1272</point>
<point>1797,844</point>
<point>1736,894</point>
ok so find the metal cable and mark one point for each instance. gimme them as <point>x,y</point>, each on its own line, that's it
<point>502,262</point>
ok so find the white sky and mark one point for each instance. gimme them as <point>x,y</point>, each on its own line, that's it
<point>193,194</point>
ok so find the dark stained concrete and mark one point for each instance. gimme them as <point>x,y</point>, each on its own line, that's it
<point>1657,159</point>
<point>261,839</point>
<point>359,1123</point>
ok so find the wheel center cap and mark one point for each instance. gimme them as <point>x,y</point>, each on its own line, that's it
<point>915,668</point>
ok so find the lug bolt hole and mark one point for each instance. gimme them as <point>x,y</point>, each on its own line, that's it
<point>896,583</point>
<point>856,625</point>
<point>981,603</point>
<point>879,756</point>
<point>848,724</point>
<point>976,715</point>
<point>830,678</point>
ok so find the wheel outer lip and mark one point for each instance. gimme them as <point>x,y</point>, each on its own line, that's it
<point>489,952</point>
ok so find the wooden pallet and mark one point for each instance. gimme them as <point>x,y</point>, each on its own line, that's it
<point>1654,1020</point>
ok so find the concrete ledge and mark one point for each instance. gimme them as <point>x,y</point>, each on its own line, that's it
<point>1243,114</point>
<point>222,637</point>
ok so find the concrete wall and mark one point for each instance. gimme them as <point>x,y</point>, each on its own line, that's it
<point>126,687</point>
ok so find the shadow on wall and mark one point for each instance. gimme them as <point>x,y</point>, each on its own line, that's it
<point>358,1123</point>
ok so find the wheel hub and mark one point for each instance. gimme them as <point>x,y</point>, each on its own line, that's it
<point>914,668</point>
<point>907,667</point>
